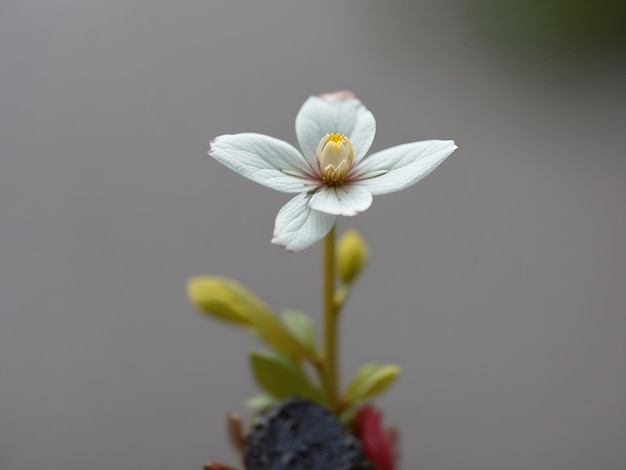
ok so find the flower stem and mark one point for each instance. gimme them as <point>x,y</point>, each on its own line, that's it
<point>330,318</point>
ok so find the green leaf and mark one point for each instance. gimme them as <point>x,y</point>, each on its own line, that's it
<point>230,301</point>
<point>282,340</point>
<point>282,379</point>
<point>380,380</point>
<point>261,402</point>
<point>370,380</point>
<point>217,297</point>
<point>347,416</point>
<point>359,379</point>
<point>301,326</point>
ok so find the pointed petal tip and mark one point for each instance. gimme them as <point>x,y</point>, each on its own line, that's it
<point>274,241</point>
<point>451,143</point>
<point>216,138</point>
<point>211,144</point>
<point>281,244</point>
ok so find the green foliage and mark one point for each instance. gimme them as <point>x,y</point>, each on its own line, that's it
<point>300,326</point>
<point>282,378</point>
<point>370,380</point>
<point>229,301</point>
<point>261,402</point>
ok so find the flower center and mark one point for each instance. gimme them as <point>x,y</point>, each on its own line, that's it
<point>334,155</point>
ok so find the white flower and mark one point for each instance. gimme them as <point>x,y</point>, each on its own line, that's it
<point>332,174</point>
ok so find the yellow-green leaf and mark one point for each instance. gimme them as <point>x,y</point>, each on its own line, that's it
<point>218,297</point>
<point>282,340</point>
<point>281,379</point>
<point>301,326</point>
<point>229,301</point>
<point>261,402</point>
<point>359,379</point>
<point>380,380</point>
<point>372,379</point>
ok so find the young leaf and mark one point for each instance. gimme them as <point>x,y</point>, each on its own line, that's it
<point>228,300</point>
<point>301,326</point>
<point>261,402</point>
<point>215,296</point>
<point>359,379</point>
<point>281,379</point>
<point>369,381</point>
<point>379,381</point>
<point>282,340</point>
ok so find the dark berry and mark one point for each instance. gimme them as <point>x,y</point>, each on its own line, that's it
<point>299,434</point>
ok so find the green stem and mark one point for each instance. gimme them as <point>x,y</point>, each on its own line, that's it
<point>330,319</point>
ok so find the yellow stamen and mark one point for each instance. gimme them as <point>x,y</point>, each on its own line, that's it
<point>335,138</point>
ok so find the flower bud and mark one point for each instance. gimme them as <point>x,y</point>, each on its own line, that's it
<point>352,254</point>
<point>335,156</point>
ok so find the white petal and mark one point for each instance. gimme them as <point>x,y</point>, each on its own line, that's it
<point>335,113</point>
<point>265,160</point>
<point>399,167</point>
<point>298,226</point>
<point>341,200</point>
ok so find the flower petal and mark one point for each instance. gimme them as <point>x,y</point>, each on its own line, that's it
<point>265,160</point>
<point>340,113</point>
<point>298,226</point>
<point>341,200</point>
<point>399,167</point>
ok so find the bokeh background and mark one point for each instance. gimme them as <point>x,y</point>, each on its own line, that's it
<point>498,282</point>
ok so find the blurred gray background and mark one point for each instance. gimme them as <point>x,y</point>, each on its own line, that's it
<point>498,282</point>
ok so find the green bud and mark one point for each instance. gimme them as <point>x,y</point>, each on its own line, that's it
<point>352,254</point>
